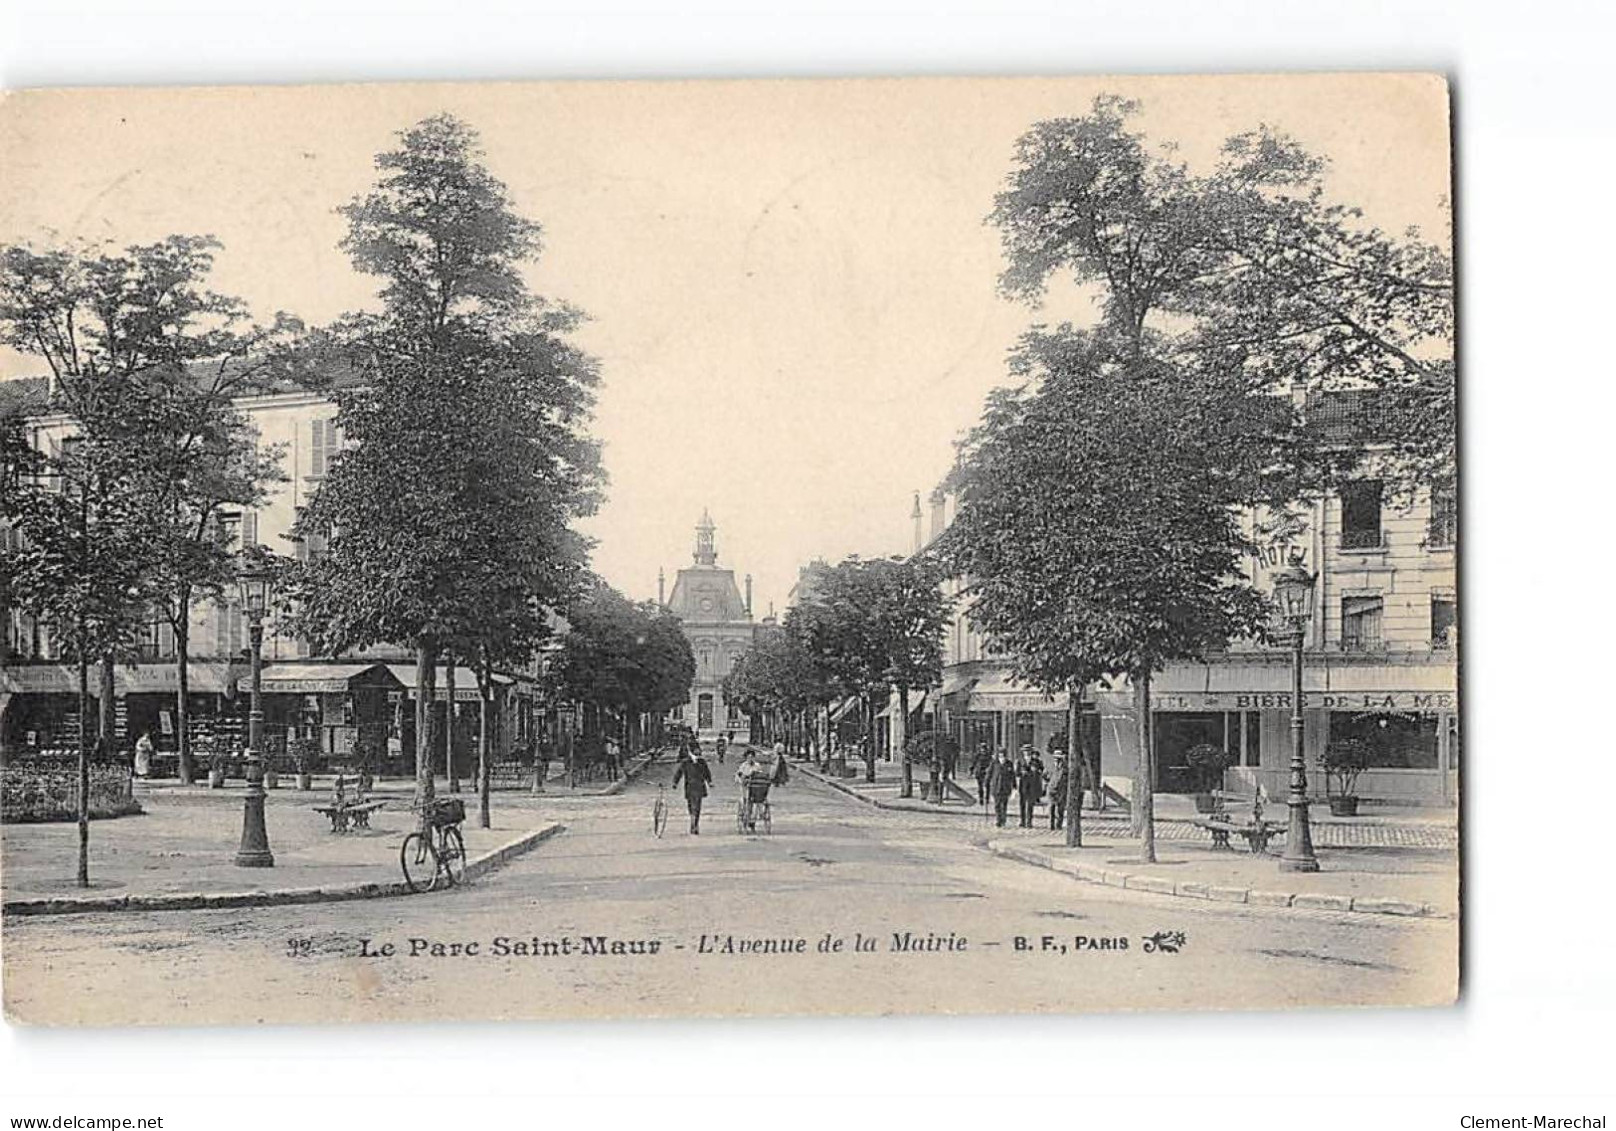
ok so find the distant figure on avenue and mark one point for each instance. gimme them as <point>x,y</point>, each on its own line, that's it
<point>720,744</point>
<point>1001,783</point>
<point>981,767</point>
<point>696,775</point>
<point>1057,794</point>
<point>782,771</point>
<point>614,757</point>
<point>541,765</point>
<point>1029,784</point>
<point>144,749</point>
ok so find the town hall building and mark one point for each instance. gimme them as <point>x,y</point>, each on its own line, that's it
<point>717,620</point>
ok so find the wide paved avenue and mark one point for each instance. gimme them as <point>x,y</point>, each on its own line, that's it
<point>606,920</point>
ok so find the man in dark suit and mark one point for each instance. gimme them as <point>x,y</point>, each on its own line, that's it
<point>696,775</point>
<point>1001,784</point>
<point>1029,784</point>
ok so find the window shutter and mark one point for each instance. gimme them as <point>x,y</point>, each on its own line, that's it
<point>249,528</point>
<point>319,436</point>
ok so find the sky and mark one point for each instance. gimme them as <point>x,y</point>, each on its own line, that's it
<point>791,285</point>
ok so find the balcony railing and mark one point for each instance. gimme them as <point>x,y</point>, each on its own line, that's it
<point>1362,539</point>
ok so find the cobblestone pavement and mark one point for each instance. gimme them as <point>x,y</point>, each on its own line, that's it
<point>607,920</point>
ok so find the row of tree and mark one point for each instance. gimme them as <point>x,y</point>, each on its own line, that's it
<point>445,522</point>
<point>863,628</point>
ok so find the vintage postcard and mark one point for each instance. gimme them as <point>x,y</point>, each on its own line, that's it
<point>712,548</point>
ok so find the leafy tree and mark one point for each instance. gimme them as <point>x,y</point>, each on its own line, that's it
<point>124,335</point>
<point>1217,291</point>
<point>448,516</point>
<point>1097,522</point>
<point>875,625</point>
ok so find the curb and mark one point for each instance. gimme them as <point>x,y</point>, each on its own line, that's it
<point>207,901</point>
<point>1163,885</point>
<point>630,774</point>
<point>904,807</point>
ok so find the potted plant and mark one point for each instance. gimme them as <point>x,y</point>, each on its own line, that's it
<point>303,752</point>
<point>1344,760</point>
<point>216,760</point>
<point>1209,761</point>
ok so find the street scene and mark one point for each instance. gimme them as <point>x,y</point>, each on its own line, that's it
<point>639,550</point>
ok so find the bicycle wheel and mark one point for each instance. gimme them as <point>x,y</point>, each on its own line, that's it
<point>419,861</point>
<point>452,855</point>
<point>659,817</point>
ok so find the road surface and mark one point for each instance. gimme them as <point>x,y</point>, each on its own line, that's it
<point>606,920</point>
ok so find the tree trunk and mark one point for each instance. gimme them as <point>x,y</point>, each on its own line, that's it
<point>426,667</point>
<point>84,766</point>
<point>108,729</point>
<point>449,726</point>
<point>182,701</point>
<point>485,709</point>
<point>900,736</point>
<point>1144,814</point>
<point>1076,766</point>
<point>869,737</point>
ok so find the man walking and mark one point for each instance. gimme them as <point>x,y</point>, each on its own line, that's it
<point>1057,794</point>
<point>1001,782</point>
<point>696,775</point>
<point>981,767</point>
<point>1029,784</point>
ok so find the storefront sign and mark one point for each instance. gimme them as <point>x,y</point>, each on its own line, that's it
<point>1017,701</point>
<point>1412,701</point>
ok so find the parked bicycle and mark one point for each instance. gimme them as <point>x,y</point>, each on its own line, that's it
<point>436,854</point>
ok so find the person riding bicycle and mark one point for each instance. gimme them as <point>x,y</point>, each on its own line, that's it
<point>754,778</point>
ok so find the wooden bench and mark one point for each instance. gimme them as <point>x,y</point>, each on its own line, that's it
<point>1257,834</point>
<point>349,808</point>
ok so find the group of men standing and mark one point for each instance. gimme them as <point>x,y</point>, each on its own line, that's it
<point>999,777</point>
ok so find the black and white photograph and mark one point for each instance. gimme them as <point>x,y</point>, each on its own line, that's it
<point>729,548</point>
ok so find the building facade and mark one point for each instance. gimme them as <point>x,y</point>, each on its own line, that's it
<point>332,701</point>
<point>1381,663</point>
<point>717,620</point>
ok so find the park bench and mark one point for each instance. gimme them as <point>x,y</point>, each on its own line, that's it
<point>348,811</point>
<point>1257,833</point>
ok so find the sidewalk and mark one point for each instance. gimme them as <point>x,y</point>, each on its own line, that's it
<point>1435,829</point>
<point>180,852</point>
<point>1389,881</point>
<point>1394,865</point>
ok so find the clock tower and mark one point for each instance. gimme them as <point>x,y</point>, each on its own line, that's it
<point>717,620</point>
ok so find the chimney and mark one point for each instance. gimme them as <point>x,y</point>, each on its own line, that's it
<point>661,588</point>
<point>937,514</point>
<point>914,516</point>
<point>748,596</point>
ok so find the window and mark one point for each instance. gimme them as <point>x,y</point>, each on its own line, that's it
<point>1444,527</point>
<point>1444,620</point>
<point>1360,621</point>
<point>1360,515</point>
<point>1396,742</point>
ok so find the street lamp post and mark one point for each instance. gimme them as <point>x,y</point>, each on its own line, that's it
<point>1293,593</point>
<point>253,581</point>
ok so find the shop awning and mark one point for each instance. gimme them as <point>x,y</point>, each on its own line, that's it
<point>917,703</point>
<point>206,677</point>
<point>310,678</point>
<point>465,682</point>
<point>838,712</point>
<point>998,691</point>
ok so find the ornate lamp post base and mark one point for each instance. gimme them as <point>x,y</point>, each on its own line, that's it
<point>1298,856</point>
<point>254,851</point>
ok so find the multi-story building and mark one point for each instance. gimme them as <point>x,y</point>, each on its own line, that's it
<point>331,699</point>
<point>1381,661</point>
<point>717,620</point>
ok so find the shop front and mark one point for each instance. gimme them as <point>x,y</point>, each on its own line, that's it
<point>460,720</point>
<point>1015,715</point>
<point>1407,713</point>
<point>335,707</point>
